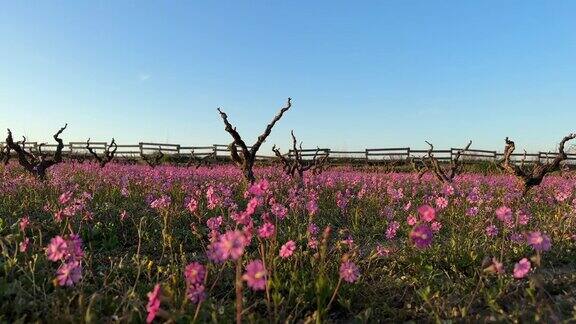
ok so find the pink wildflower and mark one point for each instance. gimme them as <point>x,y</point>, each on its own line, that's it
<point>491,230</point>
<point>23,246</point>
<point>266,230</point>
<point>74,244</point>
<point>349,272</point>
<point>57,249</point>
<point>504,214</point>
<point>427,213</point>
<point>392,230</point>
<point>153,303</point>
<point>69,273</point>
<point>522,268</point>
<point>194,273</point>
<point>436,226</point>
<point>441,202</point>
<point>411,220</point>
<point>279,210</point>
<point>312,207</point>
<point>538,241</point>
<point>196,293</point>
<point>421,236</point>
<point>65,197</point>
<point>495,267</point>
<point>255,275</point>
<point>214,223</point>
<point>24,222</point>
<point>287,249</point>
<point>313,229</point>
<point>382,251</point>
<point>192,205</point>
<point>231,245</point>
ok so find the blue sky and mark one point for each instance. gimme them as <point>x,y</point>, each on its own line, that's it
<point>361,74</point>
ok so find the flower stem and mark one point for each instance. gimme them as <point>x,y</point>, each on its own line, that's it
<point>239,290</point>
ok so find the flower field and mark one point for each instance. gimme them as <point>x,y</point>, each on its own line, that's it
<point>131,243</point>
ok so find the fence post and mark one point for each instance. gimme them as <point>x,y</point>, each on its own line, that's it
<point>215,150</point>
<point>141,148</point>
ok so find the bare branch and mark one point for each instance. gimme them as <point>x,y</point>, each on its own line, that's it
<point>535,177</point>
<point>268,129</point>
<point>291,165</point>
<point>246,159</point>
<point>153,160</point>
<point>432,164</point>
<point>37,165</point>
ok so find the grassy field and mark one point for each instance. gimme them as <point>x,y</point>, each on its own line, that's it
<point>132,243</point>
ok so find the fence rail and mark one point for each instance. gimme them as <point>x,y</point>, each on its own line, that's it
<point>367,155</point>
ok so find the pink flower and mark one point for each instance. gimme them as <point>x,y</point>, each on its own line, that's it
<point>123,215</point>
<point>161,203</point>
<point>421,236</point>
<point>192,205</point>
<point>214,223</point>
<point>279,210</point>
<point>230,245</point>
<point>259,188</point>
<point>495,267</point>
<point>23,246</point>
<point>153,303</point>
<point>441,202</point>
<point>252,205</point>
<point>266,230</point>
<point>538,241</point>
<point>436,226</point>
<point>196,293</point>
<point>65,197</point>
<point>313,229</point>
<point>287,249</point>
<point>382,251</point>
<point>408,206</point>
<point>255,275</point>
<point>522,268</point>
<point>349,272</point>
<point>57,249</point>
<point>312,207</point>
<point>194,273</point>
<point>472,211</point>
<point>491,230</point>
<point>411,220</point>
<point>24,222</point>
<point>75,243</point>
<point>504,214</point>
<point>523,217</point>
<point>427,213</point>
<point>69,273</point>
<point>392,230</point>
<point>313,243</point>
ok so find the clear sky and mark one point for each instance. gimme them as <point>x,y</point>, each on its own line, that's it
<point>361,73</point>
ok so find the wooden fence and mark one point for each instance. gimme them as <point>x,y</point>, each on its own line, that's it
<point>367,155</point>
